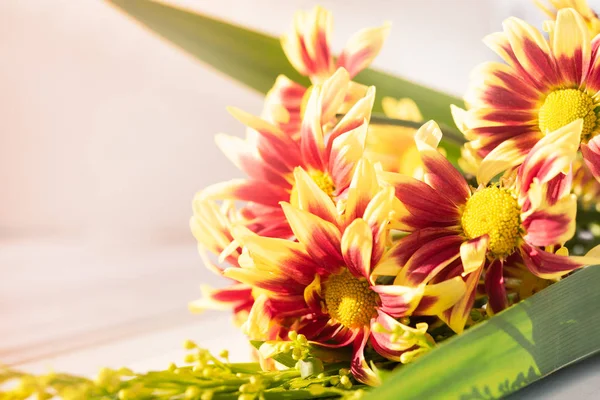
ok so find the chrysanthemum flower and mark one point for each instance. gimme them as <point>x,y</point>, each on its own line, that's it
<point>327,149</point>
<point>542,86</point>
<point>308,48</point>
<point>459,232</point>
<point>581,6</point>
<point>325,280</point>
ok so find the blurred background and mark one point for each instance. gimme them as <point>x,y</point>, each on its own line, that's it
<point>106,133</point>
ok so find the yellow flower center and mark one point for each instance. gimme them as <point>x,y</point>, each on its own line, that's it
<point>495,212</point>
<point>324,182</point>
<point>349,300</point>
<point>562,107</point>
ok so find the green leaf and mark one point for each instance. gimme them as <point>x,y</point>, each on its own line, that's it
<point>530,340</point>
<point>256,59</point>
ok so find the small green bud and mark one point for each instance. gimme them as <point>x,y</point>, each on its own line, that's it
<point>292,335</point>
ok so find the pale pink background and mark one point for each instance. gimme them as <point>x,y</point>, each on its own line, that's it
<point>106,133</point>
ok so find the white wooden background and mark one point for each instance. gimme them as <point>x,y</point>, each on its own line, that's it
<point>105,135</point>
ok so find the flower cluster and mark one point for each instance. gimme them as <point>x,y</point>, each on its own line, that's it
<point>359,237</point>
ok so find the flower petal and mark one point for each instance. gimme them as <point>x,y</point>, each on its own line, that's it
<point>571,46</point>
<point>222,299</point>
<point>363,188</point>
<point>441,296</point>
<point>283,105</point>
<point>245,156</point>
<point>246,190</point>
<point>362,48</point>
<point>429,260</point>
<point>312,294</point>
<point>307,45</point>
<point>397,300</point>
<point>312,199</point>
<point>504,157</point>
<point>312,142</point>
<point>552,155</point>
<point>399,254</point>
<point>551,266</point>
<point>277,256</point>
<point>359,367</point>
<point>591,156</point>
<point>377,215</point>
<point>321,238</point>
<point>531,50</point>
<point>473,252</point>
<point>494,287</point>
<point>260,324</point>
<point>357,245</point>
<point>552,225</point>
<point>346,151</point>
<point>456,317</point>
<point>420,206</point>
<point>439,173</point>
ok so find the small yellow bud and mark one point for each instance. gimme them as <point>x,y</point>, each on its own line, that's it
<point>172,367</point>
<point>292,335</point>
<point>192,392</point>
<point>302,339</point>
<point>224,354</point>
<point>189,345</point>
<point>189,358</point>
<point>126,394</point>
<point>206,396</point>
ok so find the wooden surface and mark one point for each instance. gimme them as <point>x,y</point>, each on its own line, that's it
<point>74,308</point>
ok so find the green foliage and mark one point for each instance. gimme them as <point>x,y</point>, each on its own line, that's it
<point>530,340</point>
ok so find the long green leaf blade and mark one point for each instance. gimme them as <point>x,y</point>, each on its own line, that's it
<point>536,337</point>
<point>256,59</point>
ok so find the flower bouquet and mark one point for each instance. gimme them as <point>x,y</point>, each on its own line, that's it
<point>390,240</point>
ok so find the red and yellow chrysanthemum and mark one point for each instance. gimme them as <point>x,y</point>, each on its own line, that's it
<point>327,149</point>
<point>543,85</point>
<point>456,231</point>
<point>322,285</point>
<point>308,48</point>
